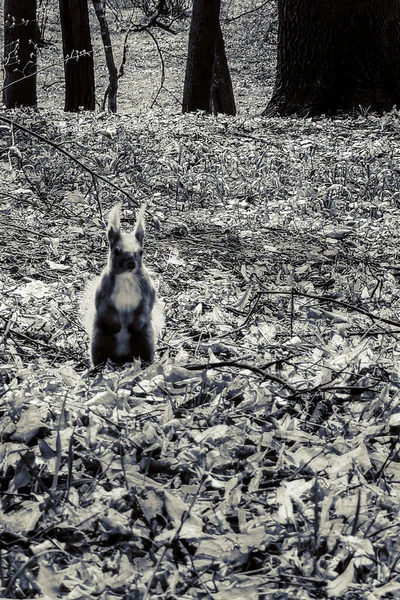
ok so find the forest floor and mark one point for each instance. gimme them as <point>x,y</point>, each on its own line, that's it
<point>258,457</point>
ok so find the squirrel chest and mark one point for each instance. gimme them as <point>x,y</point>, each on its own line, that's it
<point>126,298</point>
<point>127,294</point>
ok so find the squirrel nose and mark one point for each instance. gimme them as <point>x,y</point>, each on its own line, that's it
<point>131,264</point>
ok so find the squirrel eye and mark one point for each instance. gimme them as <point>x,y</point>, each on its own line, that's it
<point>117,251</point>
<point>141,252</point>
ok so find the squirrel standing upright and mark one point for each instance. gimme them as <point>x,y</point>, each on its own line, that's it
<point>120,307</point>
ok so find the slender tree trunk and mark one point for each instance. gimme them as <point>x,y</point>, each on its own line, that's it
<point>20,37</point>
<point>111,93</point>
<point>78,56</point>
<point>208,84</point>
<point>337,55</point>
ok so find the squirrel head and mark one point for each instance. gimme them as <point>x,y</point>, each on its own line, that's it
<point>126,250</point>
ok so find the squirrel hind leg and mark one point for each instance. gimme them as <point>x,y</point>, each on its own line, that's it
<point>98,356</point>
<point>142,344</point>
<point>101,347</point>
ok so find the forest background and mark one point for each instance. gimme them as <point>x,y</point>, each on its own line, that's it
<point>249,29</point>
<point>258,457</point>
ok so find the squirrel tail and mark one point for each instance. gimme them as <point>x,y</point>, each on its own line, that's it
<point>157,317</point>
<point>87,304</point>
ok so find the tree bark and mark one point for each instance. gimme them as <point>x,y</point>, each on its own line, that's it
<point>336,56</point>
<point>111,93</point>
<point>222,97</point>
<point>20,49</point>
<point>208,83</point>
<point>78,56</point>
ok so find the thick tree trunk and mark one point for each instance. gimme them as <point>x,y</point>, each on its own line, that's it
<point>78,56</point>
<point>337,55</point>
<point>222,98</point>
<point>20,36</point>
<point>208,83</point>
<point>111,93</point>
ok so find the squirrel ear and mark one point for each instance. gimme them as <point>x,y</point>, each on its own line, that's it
<point>139,225</point>
<point>113,231</point>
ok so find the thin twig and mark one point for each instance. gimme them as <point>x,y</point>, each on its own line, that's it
<point>70,156</point>
<point>185,515</point>
<point>248,12</point>
<point>246,366</point>
<point>153,37</point>
<point>362,311</point>
<point>40,343</point>
<point>30,561</point>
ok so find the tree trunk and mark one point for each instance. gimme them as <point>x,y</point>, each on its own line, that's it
<point>111,93</point>
<point>222,98</point>
<point>20,53</point>
<point>336,55</point>
<point>208,83</point>
<point>78,56</point>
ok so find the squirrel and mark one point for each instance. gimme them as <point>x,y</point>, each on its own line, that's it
<point>120,311</point>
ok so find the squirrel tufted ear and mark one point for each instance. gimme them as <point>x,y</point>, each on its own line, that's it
<point>113,231</point>
<point>139,225</point>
